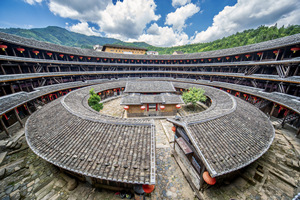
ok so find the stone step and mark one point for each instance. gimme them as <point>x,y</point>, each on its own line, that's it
<point>2,156</point>
<point>45,190</point>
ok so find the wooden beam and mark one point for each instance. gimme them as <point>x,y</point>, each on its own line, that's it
<point>18,117</point>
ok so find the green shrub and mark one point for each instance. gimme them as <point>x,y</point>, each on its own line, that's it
<point>94,101</point>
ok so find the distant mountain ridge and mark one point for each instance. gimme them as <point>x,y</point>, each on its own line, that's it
<point>61,36</point>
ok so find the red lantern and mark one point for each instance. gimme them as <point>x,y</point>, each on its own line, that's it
<point>208,179</point>
<point>104,59</point>
<point>178,106</point>
<point>209,59</point>
<point>3,47</point>
<point>119,60</point>
<point>236,57</point>
<point>295,49</point>
<point>112,59</point>
<point>71,57</point>
<point>126,107</point>
<point>228,91</point>
<point>115,90</point>
<point>98,59</point>
<point>259,54</point>
<point>247,56</point>
<point>275,52</point>
<point>196,60</point>
<point>49,54</point>
<point>227,58</point>
<point>36,52</point>
<point>125,60</point>
<point>143,107</point>
<point>188,61</point>
<point>80,57</point>
<point>61,55</point>
<point>89,58</point>
<point>173,128</point>
<point>21,50</point>
<point>219,59</point>
<point>148,188</point>
<point>162,107</point>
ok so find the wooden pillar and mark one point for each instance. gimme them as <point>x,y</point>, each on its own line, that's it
<point>3,90</point>
<point>282,124</point>
<point>4,127</point>
<point>12,89</point>
<point>3,71</point>
<point>28,109</point>
<point>20,69</point>
<point>18,117</point>
<point>273,108</point>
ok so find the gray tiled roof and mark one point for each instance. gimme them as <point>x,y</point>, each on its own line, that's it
<point>149,87</point>
<point>230,134</point>
<point>268,45</point>
<point>141,99</point>
<point>71,135</point>
<point>109,151</point>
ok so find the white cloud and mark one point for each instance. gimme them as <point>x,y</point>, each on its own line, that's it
<point>88,10</point>
<point>127,19</point>
<point>32,2</point>
<point>83,28</point>
<point>176,3</point>
<point>163,36</point>
<point>177,19</point>
<point>123,20</point>
<point>250,14</point>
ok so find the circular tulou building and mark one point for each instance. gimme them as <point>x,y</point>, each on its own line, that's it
<point>244,85</point>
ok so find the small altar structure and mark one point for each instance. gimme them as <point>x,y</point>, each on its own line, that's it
<point>150,98</point>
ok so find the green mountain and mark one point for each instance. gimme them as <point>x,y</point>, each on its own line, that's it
<point>62,36</point>
<point>246,37</point>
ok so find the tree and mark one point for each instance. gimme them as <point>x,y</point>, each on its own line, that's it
<point>94,101</point>
<point>193,96</point>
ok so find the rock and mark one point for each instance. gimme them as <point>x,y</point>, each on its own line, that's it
<point>9,144</point>
<point>9,190</point>
<point>72,184</point>
<point>6,198</point>
<point>15,195</point>
<point>17,168</point>
<point>2,173</point>
<point>258,176</point>
<point>17,146</point>
<point>30,184</point>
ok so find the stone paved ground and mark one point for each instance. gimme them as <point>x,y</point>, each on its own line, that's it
<point>171,183</point>
<point>113,108</point>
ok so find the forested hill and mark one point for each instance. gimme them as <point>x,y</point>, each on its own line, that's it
<point>246,37</point>
<point>62,36</point>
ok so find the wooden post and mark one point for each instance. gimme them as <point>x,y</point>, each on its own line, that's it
<point>3,71</point>
<point>12,89</point>
<point>28,109</point>
<point>273,108</point>
<point>282,124</point>
<point>18,117</point>
<point>4,127</point>
<point>3,90</point>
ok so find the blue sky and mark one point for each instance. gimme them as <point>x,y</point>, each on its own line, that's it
<point>157,22</point>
